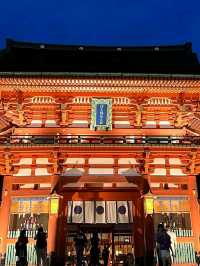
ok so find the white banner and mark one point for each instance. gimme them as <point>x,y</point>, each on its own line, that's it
<point>130,206</point>
<point>100,212</point>
<point>69,211</point>
<point>78,212</point>
<point>122,212</point>
<point>89,212</point>
<point>111,212</point>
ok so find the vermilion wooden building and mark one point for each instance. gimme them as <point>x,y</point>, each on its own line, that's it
<point>91,137</point>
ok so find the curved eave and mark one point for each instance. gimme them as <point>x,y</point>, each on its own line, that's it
<point>99,74</point>
<point>121,83</point>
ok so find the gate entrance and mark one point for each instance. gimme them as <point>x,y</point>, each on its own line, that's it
<point>118,237</point>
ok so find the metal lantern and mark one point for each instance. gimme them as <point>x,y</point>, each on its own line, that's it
<point>54,203</point>
<point>149,203</point>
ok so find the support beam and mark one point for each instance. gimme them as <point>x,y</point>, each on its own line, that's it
<point>5,215</point>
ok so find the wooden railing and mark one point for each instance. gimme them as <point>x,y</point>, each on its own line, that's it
<point>99,140</point>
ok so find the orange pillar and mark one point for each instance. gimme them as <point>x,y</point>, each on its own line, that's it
<point>56,236</point>
<point>149,238</point>
<point>4,214</point>
<point>195,214</point>
<point>61,232</point>
<point>139,225</point>
<point>52,225</point>
<point>52,232</point>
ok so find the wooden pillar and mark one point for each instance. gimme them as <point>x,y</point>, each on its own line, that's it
<point>4,214</point>
<point>53,226</point>
<point>195,211</point>
<point>56,236</point>
<point>149,238</point>
<point>55,181</point>
<point>139,226</point>
<point>61,232</point>
<point>52,232</point>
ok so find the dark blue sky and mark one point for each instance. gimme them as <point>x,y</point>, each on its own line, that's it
<point>104,22</point>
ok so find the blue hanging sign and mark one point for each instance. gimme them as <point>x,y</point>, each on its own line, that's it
<point>101,114</point>
<point>101,117</point>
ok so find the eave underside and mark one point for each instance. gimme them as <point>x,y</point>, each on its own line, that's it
<point>120,84</point>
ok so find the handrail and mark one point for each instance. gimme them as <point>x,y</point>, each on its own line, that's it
<point>98,140</point>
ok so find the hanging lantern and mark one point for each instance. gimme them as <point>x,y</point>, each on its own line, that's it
<point>54,203</point>
<point>149,203</point>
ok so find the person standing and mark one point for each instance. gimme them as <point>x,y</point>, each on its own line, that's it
<point>41,247</point>
<point>94,251</point>
<point>164,248</point>
<point>21,249</point>
<point>158,234</point>
<point>173,240</point>
<point>80,241</point>
<point>105,255</point>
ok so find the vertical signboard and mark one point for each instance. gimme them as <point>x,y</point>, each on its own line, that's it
<point>101,115</point>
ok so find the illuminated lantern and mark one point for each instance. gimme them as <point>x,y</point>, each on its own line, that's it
<point>149,203</point>
<point>54,203</point>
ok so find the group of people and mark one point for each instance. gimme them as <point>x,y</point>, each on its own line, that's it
<point>165,245</point>
<point>40,247</point>
<point>80,242</point>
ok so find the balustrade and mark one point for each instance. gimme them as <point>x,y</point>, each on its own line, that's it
<point>99,140</point>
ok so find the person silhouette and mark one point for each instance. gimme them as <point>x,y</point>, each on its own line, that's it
<point>160,229</point>
<point>94,251</point>
<point>41,246</point>
<point>80,241</point>
<point>164,241</point>
<point>21,249</point>
<point>105,255</point>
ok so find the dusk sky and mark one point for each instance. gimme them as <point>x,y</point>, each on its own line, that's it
<point>105,22</point>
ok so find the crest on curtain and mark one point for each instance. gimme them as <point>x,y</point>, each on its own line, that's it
<point>100,212</point>
<point>101,114</point>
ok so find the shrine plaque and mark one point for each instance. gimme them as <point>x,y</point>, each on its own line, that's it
<point>101,115</point>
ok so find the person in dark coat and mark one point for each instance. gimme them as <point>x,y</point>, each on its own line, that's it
<point>41,247</point>
<point>21,249</point>
<point>105,255</point>
<point>80,242</point>
<point>158,234</point>
<point>94,251</point>
<point>165,247</point>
